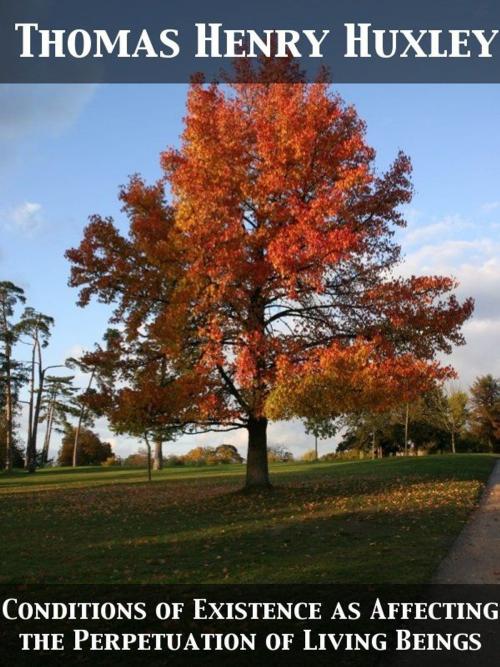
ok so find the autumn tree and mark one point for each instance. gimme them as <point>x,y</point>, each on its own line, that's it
<point>135,389</point>
<point>198,456</point>
<point>267,280</point>
<point>92,450</point>
<point>137,460</point>
<point>485,411</point>
<point>227,454</point>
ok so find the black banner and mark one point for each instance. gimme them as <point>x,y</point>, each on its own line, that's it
<point>249,624</point>
<point>72,41</point>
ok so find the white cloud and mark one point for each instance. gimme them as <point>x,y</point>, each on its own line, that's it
<point>450,254</point>
<point>488,207</point>
<point>26,218</point>
<point>450,224</point>
<point>479,355</point>
<point>475,263</point>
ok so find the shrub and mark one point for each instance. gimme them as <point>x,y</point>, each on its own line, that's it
<point>198,456</point>
<point>137,460</point>
<point>112,461</point>
<point>279,454</point>
<point>174,460</point>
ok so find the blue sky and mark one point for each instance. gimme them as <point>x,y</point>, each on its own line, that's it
<point>64,151</point>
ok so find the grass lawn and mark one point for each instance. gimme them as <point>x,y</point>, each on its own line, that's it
<point>369,521</point>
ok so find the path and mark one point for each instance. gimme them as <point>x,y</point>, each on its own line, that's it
<point>475,556</point>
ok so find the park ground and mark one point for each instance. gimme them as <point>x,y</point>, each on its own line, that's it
<point>382,521</point>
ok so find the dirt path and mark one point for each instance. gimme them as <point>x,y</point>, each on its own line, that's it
<point>475,556</point>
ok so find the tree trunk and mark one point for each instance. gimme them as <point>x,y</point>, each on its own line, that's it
<point>36,413</point>
<point>80,421</point>
<point>74,462</point>
<point>257,468</point>
<point>48,432</point>
<point>407,419</point>
<point>9,445</point>
<point>148,449</point>
<point>28,462</point>
<point>9,398</point>
<point>453,442</point>
<point>158,457</point>
<point>315,447</point>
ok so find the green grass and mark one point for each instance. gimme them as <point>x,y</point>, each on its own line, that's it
<point>368,521</point>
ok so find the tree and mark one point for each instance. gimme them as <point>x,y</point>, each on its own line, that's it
<point>374,432</point>
<point>58,403</point>
<point>266,281</point>
<point>198,456</point>
<point>279,454</point>
<point>450,412</point>
<point>134,388</point>
<point>485,412</point>
<point>227,454</point>
<point>320,428</point>
<point>83,411</point>
<point>13,375</point>
<point>92,450</point>
<point>10,296</point>
<point>137,460</point>
<point>37,328</point>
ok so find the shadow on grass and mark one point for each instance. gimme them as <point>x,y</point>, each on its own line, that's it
<point>339,524</point>
<point>351,547</point>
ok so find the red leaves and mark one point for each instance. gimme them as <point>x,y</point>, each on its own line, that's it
<point>264,285</point>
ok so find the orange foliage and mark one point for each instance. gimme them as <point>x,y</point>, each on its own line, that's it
<point>264,286</point>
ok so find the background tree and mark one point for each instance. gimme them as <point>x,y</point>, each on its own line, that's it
<point>83,402</point>
<point>450,412</point>
<point>36,327</point>
<point>280,454</point>
<point>227,454</point>
<point>138,459</point>
<point>384,433</point>
<point>10,296</point>
<point>320,429</point>
<point>485,411</point>
<point>92,451</point>
<point>17,451</point>
<point>198,456</point>
<point>134,389</point>
<point>267,283</point>
<point>58,404</point>
<point>371,432</point>
<point>17,376</point>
